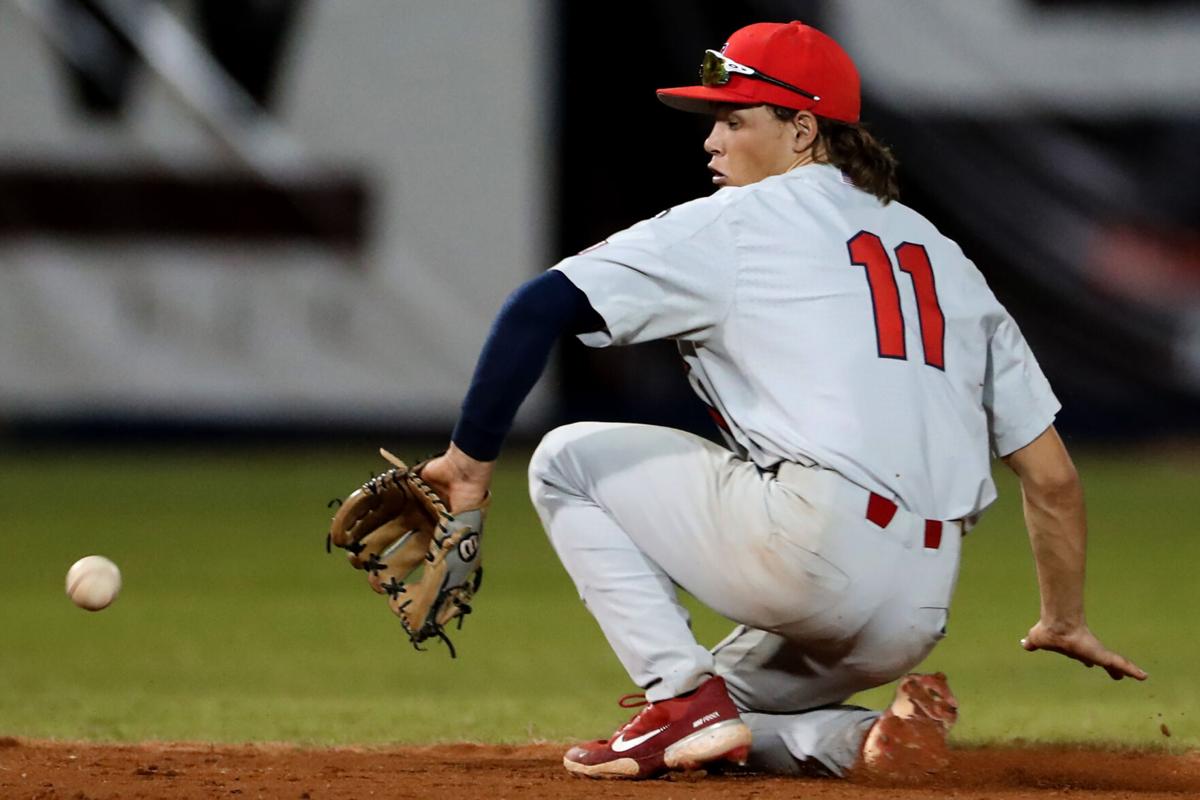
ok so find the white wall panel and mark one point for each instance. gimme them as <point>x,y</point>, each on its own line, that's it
<point>443,104</point>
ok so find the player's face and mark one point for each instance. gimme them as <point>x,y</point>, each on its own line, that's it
<point>749,144</point>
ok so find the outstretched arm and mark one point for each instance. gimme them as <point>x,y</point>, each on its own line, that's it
<point>514,356</point>
<point>1057,521</point>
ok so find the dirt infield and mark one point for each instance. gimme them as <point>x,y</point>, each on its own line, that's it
<point>82,771</point>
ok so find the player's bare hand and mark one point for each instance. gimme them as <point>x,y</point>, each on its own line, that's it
<point>1082,645</point>
<point>462,481</point>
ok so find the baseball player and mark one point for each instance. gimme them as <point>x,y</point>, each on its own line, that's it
<point>862,374</point>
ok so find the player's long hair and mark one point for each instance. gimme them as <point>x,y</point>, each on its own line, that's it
<point>866,161</point>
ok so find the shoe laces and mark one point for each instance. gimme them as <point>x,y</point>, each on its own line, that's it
<point>637,701</point>
<point>633,700</point>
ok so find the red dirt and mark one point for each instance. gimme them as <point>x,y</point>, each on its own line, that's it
<point>86,771</point>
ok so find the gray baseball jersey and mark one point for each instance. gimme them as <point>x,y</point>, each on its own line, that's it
<point>824,327</point>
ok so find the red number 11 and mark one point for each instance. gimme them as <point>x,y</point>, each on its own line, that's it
<point>866,250</point>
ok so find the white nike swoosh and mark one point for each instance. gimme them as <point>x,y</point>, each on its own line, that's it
<point>619,744</point>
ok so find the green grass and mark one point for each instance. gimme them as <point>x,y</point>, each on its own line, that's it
<point>234,625</point>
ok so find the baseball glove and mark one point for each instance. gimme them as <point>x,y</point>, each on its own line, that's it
<point>425,559</point>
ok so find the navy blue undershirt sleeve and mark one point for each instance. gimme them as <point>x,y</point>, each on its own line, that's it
<point>515,355</point>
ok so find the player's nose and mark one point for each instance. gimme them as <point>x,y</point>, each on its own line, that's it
<point>712,143</point>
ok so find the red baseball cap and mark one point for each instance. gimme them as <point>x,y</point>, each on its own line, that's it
<point>790,65</point>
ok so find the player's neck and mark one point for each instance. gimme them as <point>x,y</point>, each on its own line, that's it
<point>810,156</point>
<point>802,161</point>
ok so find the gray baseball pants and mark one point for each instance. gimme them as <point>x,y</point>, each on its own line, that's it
<point>829,602</point>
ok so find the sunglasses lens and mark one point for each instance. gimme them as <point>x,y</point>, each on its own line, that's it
<point>713,71</point>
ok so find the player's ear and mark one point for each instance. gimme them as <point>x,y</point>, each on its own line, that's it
<point>804,126</point>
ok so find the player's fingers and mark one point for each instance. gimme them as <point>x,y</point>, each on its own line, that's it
<point>1028,645</point>
<point>1075,655</point>
<point>1070,652</point>
<point>1119,667</point>
<point>1114,671</point>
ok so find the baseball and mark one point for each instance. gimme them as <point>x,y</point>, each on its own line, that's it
<point>93,582</point>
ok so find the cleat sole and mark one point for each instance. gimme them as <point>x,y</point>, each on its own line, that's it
<point>617,768</point>
<point>725,740</point>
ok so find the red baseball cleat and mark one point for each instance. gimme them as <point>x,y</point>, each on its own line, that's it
<point>909,740</point>
<point>681,733</point>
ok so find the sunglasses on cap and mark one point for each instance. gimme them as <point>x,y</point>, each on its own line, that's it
<point>716,69</point>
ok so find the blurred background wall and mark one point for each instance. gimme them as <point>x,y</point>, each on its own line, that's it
<point>228,215</point>
<point>218,213</point>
